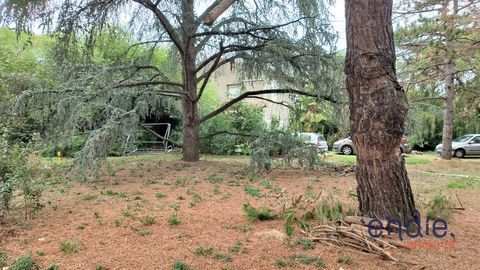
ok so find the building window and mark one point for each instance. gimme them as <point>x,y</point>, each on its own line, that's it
<point>233,91</point>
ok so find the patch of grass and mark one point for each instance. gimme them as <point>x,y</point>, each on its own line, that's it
<point>128,214</point>
<point>53,267</point>
<point>305,243</point>
<point>204,251</point>
<point>237,247</point>
<point>160,195</point>
<point>182,182</point>
<point>179,265</point>
<point>307,260</point>
<point>280,263</point>
<point>68,247</point>
<point>440,207</point>
<point>118,222</point>
<point>223,257</point>
<point>345,259</point>
<point>461,183</point>
<point>148,220</point>
<point>89,197</point>
<point>108,192</point>
<point>252,191</point>
<point>174,220</point>
<point>81,226</point>
<point>346,159</point>
<point>254,214</point>
<point>214,179</point>
<point>416,160</point>
<point>141,232</point>
<point>266,183</point>
<point>216,190</point>
<point>24,263</point>
<point>3,258</point>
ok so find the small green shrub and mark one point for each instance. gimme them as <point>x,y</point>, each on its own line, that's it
<point>252,191</point>
<point>254,214</point>
<point>307,260</point>
<point>179,265</point>
<point>223,257</point>
<point>53,267</point>
<point>174,220</point>
<point>68,247</point>
<point>440,207</point>
<point>160,195</point>
<point>280,263</point>
<point>24,263</point>
<point>3,258</point>
<point>148,220</point>
<point>461,184</point>
<point>305,243</point>
<point>214,179</point>
<point>237,247</point>
<point>345,259</point>
<point>204,251</point>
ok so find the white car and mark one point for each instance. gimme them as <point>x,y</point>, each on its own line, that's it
<point>314,139</point>
<point>465,145</point>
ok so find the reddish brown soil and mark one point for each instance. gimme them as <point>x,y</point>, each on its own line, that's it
<point>216,221</point>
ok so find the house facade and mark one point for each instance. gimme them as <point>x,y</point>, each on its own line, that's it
<point>229,85</point>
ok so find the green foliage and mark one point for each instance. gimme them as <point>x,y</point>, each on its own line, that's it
<point>68,247</point>
<point>290,147</point>
<point>24,263</point>
<point>3,258</point>
<point>16,174</point>
<point>242,119</point>
<point>174,219</point>
<point>305,243</point>
<point>179,265</point>
<point>204,251</point>
<point>252,191</point>
<point>223,257</point>
<point>439,207</point>
<point>329,211</point>
<point>461,183</point>
<point>307,260</point>
<point>148,220</point>
<point>253,214</point>
<point>345,259</point>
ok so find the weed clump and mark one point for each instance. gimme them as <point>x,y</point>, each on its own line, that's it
<point>254,214</point>
<point>440,207</point>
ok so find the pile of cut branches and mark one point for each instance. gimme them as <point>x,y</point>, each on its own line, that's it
<point>346,235</point>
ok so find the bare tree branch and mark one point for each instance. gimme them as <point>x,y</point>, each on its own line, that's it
<point>260,92</point>
<point>208,74</point>
<point>213,134</point>
<point>272,101</point>
<point>427,98</point>
<point>146,83</point>
<point>164,22</point>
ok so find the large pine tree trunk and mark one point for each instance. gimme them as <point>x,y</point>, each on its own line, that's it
<point>378,108</point>
<point>447,134</point>
<point>190,110</point>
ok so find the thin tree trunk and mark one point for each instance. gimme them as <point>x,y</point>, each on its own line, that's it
<point>447,135</point>
<point>190,110</point>
<point>378,107</point>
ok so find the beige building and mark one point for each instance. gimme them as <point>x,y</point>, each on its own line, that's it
<point>230,85</point>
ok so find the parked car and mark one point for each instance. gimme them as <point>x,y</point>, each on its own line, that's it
<point>465,145</point>
<point>346,147</point>
<point>314,139</point>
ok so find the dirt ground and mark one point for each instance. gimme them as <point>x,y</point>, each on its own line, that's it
<point>109,222</point>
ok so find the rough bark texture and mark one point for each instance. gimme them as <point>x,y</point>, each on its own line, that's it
<point>447,135</point>
<point>190,110</point>
<point>378,107</point>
